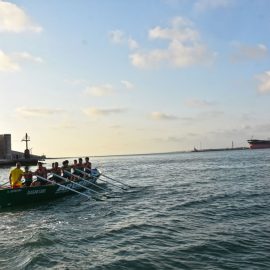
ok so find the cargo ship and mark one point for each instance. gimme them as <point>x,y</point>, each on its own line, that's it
<point>258,144</point>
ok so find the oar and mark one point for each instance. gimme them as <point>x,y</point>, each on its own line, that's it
<point>5,183</point>
<point>2,185</point>
<point>102,174</point>
<point>68,180</point>
<point>80,178</point>
<point>87,174</point>
<point>66,187</point>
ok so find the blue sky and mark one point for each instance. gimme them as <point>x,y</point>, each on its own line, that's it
<point>118,77</point>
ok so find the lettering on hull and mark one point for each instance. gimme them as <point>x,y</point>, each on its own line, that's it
<point>37,191</point>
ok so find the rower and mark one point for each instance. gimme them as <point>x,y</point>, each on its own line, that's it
<point>87,165</point>
<point>28,177</point>
<point>80,166</point>
<point>15,176</point>
<point>41,171</point>
<point>67,168</point>
<point>57,171</point>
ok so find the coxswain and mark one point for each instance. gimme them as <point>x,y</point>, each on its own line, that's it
<point>28,177</point>
<point>15,176</point>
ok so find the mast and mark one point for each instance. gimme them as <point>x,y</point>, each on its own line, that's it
<point>26,139</point>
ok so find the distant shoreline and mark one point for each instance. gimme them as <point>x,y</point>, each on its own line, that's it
<point>157,153</point>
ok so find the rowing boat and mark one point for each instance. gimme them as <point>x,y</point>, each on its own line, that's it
<point>31,195</point>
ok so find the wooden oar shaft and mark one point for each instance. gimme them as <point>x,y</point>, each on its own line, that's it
<point>66,187</point>
<point>120,182</point>
<point>68,180</point>
<point>87,174</point>
<point>4,184</point>
<point>80,178</point>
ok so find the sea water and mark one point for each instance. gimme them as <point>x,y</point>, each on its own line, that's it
<point>206,210</point>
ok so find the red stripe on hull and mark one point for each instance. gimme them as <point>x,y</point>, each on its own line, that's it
<point>259,146</point>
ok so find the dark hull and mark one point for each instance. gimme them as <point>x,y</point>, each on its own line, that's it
<point>259,144</point>
<point>33,195</point>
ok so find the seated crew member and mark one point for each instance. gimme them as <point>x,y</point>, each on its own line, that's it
<point>87,165</point>
<point>28,177</point>
<point>15,176</point>
<point>56,170</point>
<point>50,170</point>
<point>42,172</point>
<point>66,168</point>
<point>80,166</point>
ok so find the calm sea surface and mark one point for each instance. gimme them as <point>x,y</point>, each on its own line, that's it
<point>187,211</point>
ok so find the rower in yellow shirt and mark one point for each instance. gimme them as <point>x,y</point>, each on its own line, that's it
<point>16,176</point>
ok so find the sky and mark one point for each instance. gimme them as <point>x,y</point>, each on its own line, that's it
<point>102,77</point>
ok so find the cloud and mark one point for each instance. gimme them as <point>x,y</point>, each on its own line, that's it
<point>99,90</point>
<point>245,53</point>
<point>119,37</point>
<point>10,63</point>
<point>163,116</point>
<point>128,85</point>
<point>96,112</point>
<point>184,47</point>
<point>24,111</point>
<point>75,82</point>
<point>264,82</point>
<point>132,44</point>
<point>204,5</point>
<point>7,63</point>
<point>197,103</point>
<point>14,19</point>
<point>181,30</point>
<point>27,56</point>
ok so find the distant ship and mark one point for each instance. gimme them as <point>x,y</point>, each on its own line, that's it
<point>258,144</point>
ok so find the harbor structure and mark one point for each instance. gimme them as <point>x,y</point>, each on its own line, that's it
<point>10,157</point>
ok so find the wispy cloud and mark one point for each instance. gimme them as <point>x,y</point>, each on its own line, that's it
<point>96,112</point>
<point>99,90</point>
<point>26,111</point>
<point>7,63</point>
<point>181,30</point>
<point>244,53</point>
<point>205,5</point>
<point>184,47</point>
<point>163,116</point>
<point>14,19</point>
<point>132,43</point>
<point>197,103</point>
<point>119,37</point>
<point>264,82</point>
<point>27,57</point>
<point>76,82</point>
<point>11,62</point>
<point>127,84</point>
